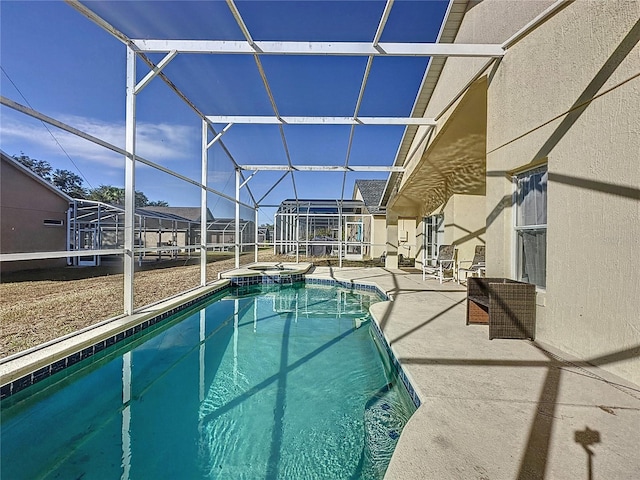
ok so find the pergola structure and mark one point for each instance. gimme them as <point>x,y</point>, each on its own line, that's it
<point>156,57</point>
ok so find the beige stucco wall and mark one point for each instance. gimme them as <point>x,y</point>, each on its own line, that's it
<point>464,224</point>
<point>589,50</point>
<point>24,205</point>
<point>378,236</point>
<point>407,237</point>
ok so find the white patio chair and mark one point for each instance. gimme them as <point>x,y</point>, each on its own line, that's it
<point>477,264</point>
<point>445,265</point>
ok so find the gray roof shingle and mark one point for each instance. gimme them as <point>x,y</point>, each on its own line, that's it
<point>371,191</point>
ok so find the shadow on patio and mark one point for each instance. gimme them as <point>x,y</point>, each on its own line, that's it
<point>499,409</point>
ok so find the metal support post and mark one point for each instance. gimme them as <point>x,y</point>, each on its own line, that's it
<point>237,237</point>
<point>340,236</point>
<point>298,237</point>
<point>129,181</point>
<point>255,229</point>
<point>203,206</point>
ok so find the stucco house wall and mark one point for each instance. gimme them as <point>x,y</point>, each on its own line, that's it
<point>464,224</point>
<point>25,203</point>
<point>407,234</point>
<point>378,236</point>
<point>569,94</point>
<point>488,21</point>
<point>565,95</point>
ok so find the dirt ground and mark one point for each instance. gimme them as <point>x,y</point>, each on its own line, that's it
<point>41,305</point>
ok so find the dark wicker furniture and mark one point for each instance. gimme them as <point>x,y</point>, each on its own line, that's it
<point>508,306</point>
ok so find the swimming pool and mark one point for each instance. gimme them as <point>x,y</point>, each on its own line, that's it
<point>268,382</point>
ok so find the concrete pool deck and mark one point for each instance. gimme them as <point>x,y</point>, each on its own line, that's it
<point>496,409</point>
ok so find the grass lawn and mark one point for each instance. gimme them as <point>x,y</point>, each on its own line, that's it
<point>37,306</point>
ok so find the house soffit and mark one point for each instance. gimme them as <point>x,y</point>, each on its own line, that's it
<point>455,160</point>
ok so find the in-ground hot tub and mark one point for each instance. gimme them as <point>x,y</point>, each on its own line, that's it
<point>269,269</point>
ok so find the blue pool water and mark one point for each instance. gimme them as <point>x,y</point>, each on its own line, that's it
<point>267,383</point>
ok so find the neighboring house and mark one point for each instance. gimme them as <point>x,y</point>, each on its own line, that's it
<point>37,217</point>
<point>370,193</point>
<point>538,158</point>
<point>33,216</point>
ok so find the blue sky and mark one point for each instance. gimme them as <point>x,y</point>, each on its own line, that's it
<point>65,66</point>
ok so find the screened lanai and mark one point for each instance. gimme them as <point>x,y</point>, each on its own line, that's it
<point>318,228</point>
<point>169,232</point>
<point>265,101</point>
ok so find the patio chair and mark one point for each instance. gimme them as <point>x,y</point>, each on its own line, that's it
<point>445,264</point>
<point>477,264</point>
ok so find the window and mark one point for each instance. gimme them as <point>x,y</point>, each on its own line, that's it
<point>53,223</point>
<point>531,226</point>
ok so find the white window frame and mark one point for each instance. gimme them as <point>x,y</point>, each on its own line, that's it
<point>516,246</point>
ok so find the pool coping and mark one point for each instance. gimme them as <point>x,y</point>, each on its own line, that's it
<point>29,367</point>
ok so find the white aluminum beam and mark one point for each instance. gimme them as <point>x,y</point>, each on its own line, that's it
<point>325,168</point>
<point>265,82</point>
<point>155,71</point>
<point>382,23</point>
<point>255,236</point>
<point>237,230</point>
<point>272,188</point>
<point>277,120</point>
<point>204,169</point>
<point>14,257</point>
<point>243,27</point>
<point>320,48</point>
<point>102,23</point>
<point>218,136</point>
<point>247,179</point>
<point>129,183</point>
<point>543,17</point>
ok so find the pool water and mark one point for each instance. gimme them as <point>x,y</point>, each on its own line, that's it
<point>266,383</point>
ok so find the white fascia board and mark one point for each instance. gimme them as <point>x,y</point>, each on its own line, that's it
<point>324,168</point>
<point>272,120</point>
<point>321,48</point>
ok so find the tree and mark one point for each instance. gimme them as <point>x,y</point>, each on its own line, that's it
<point>72,184</point>
<point>107,194</point>
<point>115,196</point>
<point>69,183</point>
<point>42,168</point>
<point>141,199</point>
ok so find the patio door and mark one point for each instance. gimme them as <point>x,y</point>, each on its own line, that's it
<point>88,240</point>
<point>353,236</point>
<point>433,238</point>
